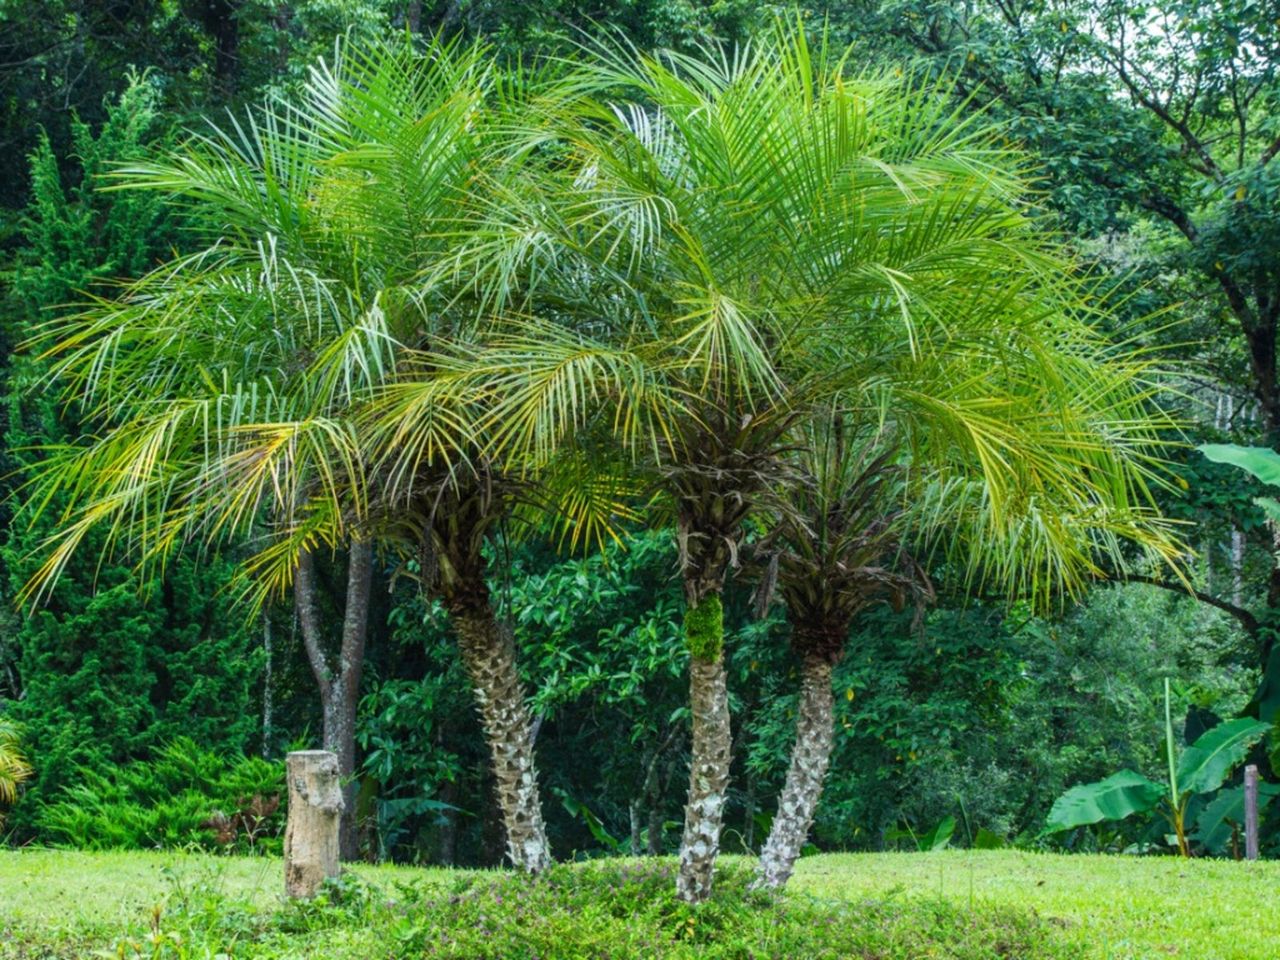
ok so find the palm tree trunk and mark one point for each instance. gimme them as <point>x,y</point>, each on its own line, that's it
<point>711,749</point>
<point>809,759</point>
<point>488,653</point>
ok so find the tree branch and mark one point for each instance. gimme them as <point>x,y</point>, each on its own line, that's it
<point>304,602</point>
<point>1246,619</point>
<point>1159,204</point>
<point>355,621</point>
<point>1192,144</point>
<point>1269,154</point>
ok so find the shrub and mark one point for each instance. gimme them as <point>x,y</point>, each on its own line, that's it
<point>184,797</point>
<point>624,910</point>
<point>606,909</point>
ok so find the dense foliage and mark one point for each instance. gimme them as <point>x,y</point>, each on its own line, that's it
<point>981,710</point>
<point>185,797</point>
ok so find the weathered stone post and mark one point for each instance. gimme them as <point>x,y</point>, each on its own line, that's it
<point>311,831</point>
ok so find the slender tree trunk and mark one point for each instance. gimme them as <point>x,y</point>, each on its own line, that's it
<point>657,818</point>
<point>355,632</point>
<point>340,687</point>
<point>652,788</point>
<point>635,810</point>
<point>809,759</point>
<point>413,16</point>
<point>711,749</point>
<point>449,828</point>
<point>222,22</point>
<point>656,821</point>
<point>488,653</point>
<point>267,704</point>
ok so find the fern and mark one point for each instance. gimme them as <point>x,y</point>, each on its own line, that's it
<point>184,797</point>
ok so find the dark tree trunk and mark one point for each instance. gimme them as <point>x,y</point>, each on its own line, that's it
<point>656,821</point>
<point>355,632</point>
<point>449,828</point>
<point>267,691</point>
<point>652,789</point>
<point>339,685</point>
<point>809,759</point>
<point>635,813</point>
<point>222,23</point>
<point>488,653</point>
<point>413,16</point>
<point>1260,337</point>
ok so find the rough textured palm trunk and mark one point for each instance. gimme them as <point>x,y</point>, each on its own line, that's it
<point>488,653</point>
<point>809,759</point>
<point>708,763</point>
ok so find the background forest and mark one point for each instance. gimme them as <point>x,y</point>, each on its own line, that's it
<point>155,712</point>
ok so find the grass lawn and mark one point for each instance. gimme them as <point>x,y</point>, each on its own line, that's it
<point>1102,907</point>
<point>1116,908</point>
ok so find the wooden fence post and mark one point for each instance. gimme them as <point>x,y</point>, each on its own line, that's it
<point>1251,812</point>
<point>311,831</point>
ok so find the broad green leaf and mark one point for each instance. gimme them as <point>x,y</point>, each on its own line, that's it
<point>1214,825</point>
<point>1262,462</point>
<point>1205,764</point>
<point>1120,795</point>
<point>1269,506</point>
<point>939,836</point>
<point>1267,697</point>
<point>986,840</point>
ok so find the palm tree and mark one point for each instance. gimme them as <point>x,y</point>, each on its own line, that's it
<point>846,536</point>
<point>835,549</point>
<point>231,384</point>
<point>724,243</point>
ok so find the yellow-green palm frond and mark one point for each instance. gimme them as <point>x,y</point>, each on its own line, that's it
<point>14,768</point>
<point>586,497</point>
<point>229,386</point>
<point>269,572</point>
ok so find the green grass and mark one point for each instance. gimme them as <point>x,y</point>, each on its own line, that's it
<point>90,895</point>
<point>62,903</point>
<point>1119,908</point>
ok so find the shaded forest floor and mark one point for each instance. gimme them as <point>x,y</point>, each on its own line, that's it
<point>67,903</point>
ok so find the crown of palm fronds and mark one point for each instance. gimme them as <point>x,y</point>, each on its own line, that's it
<point>723,243</point>
<point>226,386</point>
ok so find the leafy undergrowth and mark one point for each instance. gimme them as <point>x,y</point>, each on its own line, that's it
<point>614,910</point>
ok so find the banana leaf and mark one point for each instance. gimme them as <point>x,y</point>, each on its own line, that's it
<point>1262,462</point>
<point>1120,795</point>
<point>986,840</point>
<point>939,836</point>
<point>1214,825</point>
<point>1206,763</point>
